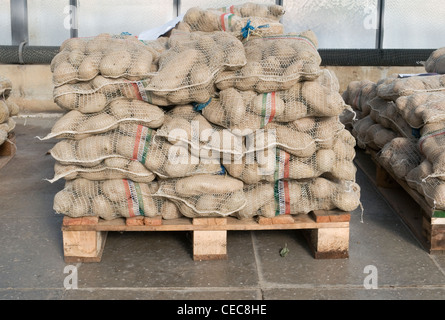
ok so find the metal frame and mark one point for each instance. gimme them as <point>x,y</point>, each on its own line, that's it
<point>19,52</point>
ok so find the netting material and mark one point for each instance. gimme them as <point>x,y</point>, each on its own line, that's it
<point>275,63</point>
<point>275,164</point>
<point>422,108</point>
<point>242,110</point>
<point>436,61</point>
<point>393,87</point>
<point>113,56</point>
<point>110,199</point>
<point>204,195</point>
<point>77,125</point>
<point>299,197</point>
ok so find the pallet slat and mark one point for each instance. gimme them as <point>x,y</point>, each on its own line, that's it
<point>84,238</point>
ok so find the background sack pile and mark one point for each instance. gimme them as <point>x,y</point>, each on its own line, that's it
<point>223,121</point>
<point>8,109</point>
<point>408,111</point>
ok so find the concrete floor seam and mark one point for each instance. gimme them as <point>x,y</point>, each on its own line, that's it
<point>259,269</point>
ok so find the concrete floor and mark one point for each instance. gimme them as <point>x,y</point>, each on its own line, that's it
<point>159,265</point>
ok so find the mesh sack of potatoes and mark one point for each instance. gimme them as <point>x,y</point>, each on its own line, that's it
<point>436,61</point>
<point>274,164</point>
<point>275,63</point>
<point>113,56</point>
<point>235,109</point>
<point>204,195</point>
<point>368,133</point>
<point>77,125</point>
<point>193,60</point>
<point>95,95</point>
<point>269,199</point>
<point>429,184</point>
<point>358,94</point>
<point>301,137</point>
<point>110,168</point>
<point>393,88</point>
<point>129,141</point>
<point>400,156</point>
<point>421,108</point>
<point>211,20</point>
<point>387,114</point>
<point>189,128</point>
<point>109,199</point>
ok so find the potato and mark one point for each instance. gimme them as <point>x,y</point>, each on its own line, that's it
<point>169,210</point>
<point>208,203</point>
<point>256,196</point>
<point>63,151</point>
<point>75,58</point>
<point>321,188</point>
<point>249,76</point>
<point>64,73</point>
<point>102,207</point>
<point>345,170</point>
<point>141,65</point>
<point>325,160</point>
<point>300,170</point>
<point>348,201</point>
<point>92,103</point>
<point>207,183</point>
<point>89,67</point>
<point>63,200</point>
<point>115,63</point>
<point>98,123</point>
<point>115,190</point>
<point>81,207</point>
<point>13,107</point>
<point>4,112</point>
<point>95,147</point>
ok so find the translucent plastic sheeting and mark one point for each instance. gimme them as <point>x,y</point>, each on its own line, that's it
<point>48,22</point>
<point>414,24</point>
<point>5,23</point>
<point>205,4</point>
<point>338,24</point>
<point>115,17</point>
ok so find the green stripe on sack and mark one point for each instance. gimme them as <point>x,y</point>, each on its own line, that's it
<point>263,110</point>
<point>146,145</point>
<point>276,194</point>
<point>276,175</point>
<point>140,200</point>
<point>229,20</point>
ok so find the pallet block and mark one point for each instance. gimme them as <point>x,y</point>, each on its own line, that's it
<point>327,233</point>
<point>426,223</point>
<point>7,150</point>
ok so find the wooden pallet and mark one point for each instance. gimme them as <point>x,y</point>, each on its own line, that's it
<point>326,231</point>
<point>426,223</point>
<point>7,150</point>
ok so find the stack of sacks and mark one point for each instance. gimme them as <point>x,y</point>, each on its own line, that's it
<point>106,134</point>
<point>297,156</point>
<point>8,109</point>
<point>373,121</point>
<point>417,153</point>
<point>110,144</point>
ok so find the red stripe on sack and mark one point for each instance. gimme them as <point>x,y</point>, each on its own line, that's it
<point>232,9</point>
<point>136,143</point>
<point>273,105</point>
<point>129,199</point>
<point>434,135</point>
<point>222,22</point>
<point>286,197</point>
<point>136,90</point>
<point>286,165</point>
